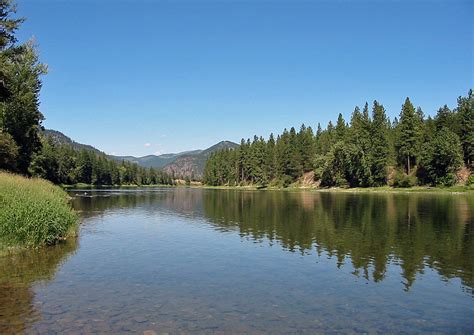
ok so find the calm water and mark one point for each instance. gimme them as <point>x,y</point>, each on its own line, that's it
<point>217,261</point>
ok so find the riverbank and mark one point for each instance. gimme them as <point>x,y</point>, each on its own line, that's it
<point>92,186</point>
<point>381,189</point>
<point>33,213</point>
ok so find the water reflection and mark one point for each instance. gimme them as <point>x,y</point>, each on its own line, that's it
<point>225,261</point>
<point>369,231</point>
<point>18,274</point>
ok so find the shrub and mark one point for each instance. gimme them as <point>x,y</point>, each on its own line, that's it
<point>447,180</point>
<point>470,180</point>
<point>33,212</point>
<point>403,180</point>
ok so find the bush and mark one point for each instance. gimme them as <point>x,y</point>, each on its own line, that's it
<point>470,180</point>
<point>403,180</point>
<point>447,180</point>
<point>33,212</point>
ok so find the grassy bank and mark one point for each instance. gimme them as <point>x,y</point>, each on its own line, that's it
<point>33,212</point>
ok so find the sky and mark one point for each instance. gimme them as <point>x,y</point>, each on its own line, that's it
<point>139,77</point>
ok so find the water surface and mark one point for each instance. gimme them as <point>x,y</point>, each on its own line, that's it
<point>226,261</point>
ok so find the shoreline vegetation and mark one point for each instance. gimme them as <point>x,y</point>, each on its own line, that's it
<point>370,150</point>
<point>33,213</point>
<point>380,189</point>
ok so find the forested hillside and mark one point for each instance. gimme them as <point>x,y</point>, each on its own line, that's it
<point>191,166</point>
<point>59,138</point>
<point>67,164</point>
<point>155,161</point>
<point>369,150</point>
<point>64,161</point>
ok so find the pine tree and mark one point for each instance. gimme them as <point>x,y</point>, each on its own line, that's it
<point>270,160</point>
<point>441,158</point>
<point>408,136</point>
<point>379,145</point>
<point>444,118</point>
<point>465,112</point>
<point>360,137</point>
<point>340,128</point>
<point>306,147</point>
<point>294,169</point>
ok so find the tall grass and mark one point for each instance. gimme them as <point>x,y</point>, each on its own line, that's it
<point>33,212</point>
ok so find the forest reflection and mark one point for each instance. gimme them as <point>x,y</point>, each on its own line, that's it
<point>369,231</point>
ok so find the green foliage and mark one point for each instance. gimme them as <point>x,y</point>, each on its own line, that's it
<point>409,135</point>
<point>441,158</point>
<point>470,180</point>
<point>355,155</point>
<point>403,180</point>
<point>8,152</point>
<point>33,212</point>
<point>379,145</point>
<point>20,84</point>
<point>465,111</point>
<point>8,25</point>
<point>62,164</point>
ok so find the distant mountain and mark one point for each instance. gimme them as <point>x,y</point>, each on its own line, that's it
<point>183,164</point>
<point>192,164</point>
<point>154,161</point>
<point>61,139</point>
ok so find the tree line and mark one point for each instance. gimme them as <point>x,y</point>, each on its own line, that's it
<point>63,164</point>
<point>370,150</point>
<point>22,147</point>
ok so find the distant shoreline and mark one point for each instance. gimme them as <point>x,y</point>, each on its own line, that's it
<point>382,189</point>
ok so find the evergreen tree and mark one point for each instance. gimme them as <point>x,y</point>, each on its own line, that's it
<point>340,128</point>
<point>19,113</point>
<point>408,136</point>
<point>45,164</point>
<point>270,159</point>
<point>306,147</point>
<point>294,169</point>
<point>360,137</point>
<point>8,152</point>
<point>465,111</point>
<point>257,161</point>
<point>379,147</point>
<point>441,158</point>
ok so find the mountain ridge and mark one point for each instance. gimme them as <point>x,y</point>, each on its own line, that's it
<point>184,164</point>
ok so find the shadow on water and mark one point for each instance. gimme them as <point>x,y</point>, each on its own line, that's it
<point>18,274</point>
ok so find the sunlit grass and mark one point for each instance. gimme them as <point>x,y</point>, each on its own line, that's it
<point>33,212</point>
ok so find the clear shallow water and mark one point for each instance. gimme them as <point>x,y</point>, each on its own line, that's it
<point>225,261</point>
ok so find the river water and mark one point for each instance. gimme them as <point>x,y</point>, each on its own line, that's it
<point>179,261</point>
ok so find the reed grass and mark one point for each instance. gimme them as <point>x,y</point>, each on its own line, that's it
<point>33,212</point>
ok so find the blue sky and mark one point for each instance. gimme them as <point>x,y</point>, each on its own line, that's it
<point>142,77</point>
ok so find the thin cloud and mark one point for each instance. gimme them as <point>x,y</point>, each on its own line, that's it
<point>147,145</point>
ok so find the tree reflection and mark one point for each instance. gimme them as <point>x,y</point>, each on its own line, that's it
<point>18,273</point>
<point>369,231</point>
